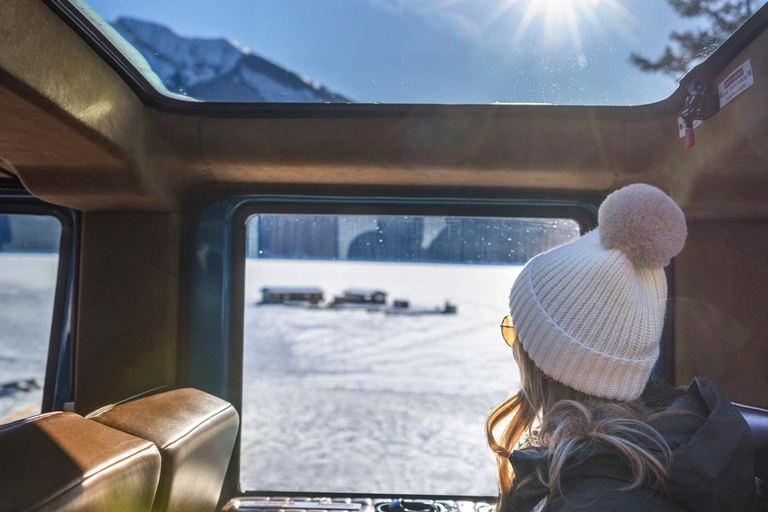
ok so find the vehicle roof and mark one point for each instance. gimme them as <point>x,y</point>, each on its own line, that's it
<point>364,291</point>
<point>291,289</point>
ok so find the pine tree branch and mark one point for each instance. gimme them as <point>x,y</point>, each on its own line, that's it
<point>724,18</point>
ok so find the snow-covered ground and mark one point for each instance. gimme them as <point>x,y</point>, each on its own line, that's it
<point>27,286</point>
<point>352,401</point>
<point>334,400</point>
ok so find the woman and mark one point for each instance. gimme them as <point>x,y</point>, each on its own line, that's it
<point>590,431</point>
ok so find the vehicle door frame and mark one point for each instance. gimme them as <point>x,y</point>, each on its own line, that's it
<point>59,373</point>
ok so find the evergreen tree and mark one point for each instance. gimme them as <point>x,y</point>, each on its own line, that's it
<point>722,18</point>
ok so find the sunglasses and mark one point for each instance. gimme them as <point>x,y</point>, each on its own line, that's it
<point>508,331</point>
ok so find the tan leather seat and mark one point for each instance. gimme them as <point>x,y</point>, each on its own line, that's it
<point>195,433</point>
<point>61,461</point>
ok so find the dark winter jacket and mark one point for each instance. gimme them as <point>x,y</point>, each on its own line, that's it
<point>712,467</point>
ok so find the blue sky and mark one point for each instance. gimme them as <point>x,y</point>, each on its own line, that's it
<point>441,51</point>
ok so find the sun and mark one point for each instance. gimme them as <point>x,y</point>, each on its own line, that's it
<point>563,20</point>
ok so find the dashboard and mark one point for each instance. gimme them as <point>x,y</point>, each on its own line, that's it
<point>324,504</point>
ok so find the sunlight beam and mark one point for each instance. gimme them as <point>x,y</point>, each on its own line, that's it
<point>572,21</point>
<point>566,20</point>
<point>528,17</point>
<point>500,10</point>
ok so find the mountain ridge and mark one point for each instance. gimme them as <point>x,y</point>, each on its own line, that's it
<point>217,69</point>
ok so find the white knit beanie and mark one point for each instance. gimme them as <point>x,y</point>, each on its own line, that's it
<point>590,313</point>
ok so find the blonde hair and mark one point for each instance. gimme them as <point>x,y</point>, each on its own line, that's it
<point>570,425</point>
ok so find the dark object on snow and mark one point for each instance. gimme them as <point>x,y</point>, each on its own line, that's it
<point>18,386</point>
<point>448,309</point>
<point>284,295</point>
<point>400,303</point>
<point>363,296</point>
<point>712,462</point>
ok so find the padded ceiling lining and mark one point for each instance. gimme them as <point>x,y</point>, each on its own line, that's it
<point>432,152</point>
<point>76,135</point>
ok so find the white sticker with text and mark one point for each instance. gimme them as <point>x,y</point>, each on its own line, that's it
<point>681,126</point>
<point>735,83</point>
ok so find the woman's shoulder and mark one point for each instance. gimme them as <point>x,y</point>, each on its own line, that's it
<point>716,464</point>
<point>694,412</point>
<point>711,464</point>
<point>701,396</point>
<point>608,495</point>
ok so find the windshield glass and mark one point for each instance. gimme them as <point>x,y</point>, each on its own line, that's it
<point>372,349</point>
<point>567,52</point>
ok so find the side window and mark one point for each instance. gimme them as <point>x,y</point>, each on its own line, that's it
<point>372,352</point>
<point>29,258</point>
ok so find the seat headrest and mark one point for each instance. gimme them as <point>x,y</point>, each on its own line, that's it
<point>61,461</point>
<point>195,433</point>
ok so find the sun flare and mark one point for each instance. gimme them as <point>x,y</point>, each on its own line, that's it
<point>563,21</point>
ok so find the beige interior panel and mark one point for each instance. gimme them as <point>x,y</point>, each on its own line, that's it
<point>721,308</point>
<point>494,152</point>
<point>128,306</point>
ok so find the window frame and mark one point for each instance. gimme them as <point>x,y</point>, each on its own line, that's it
<point>59,371</point>
<point>211,348</point>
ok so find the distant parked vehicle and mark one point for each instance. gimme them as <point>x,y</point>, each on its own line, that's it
<point>361,297</point>
<point>291,295</point>
<point>447,309</point>
<point>401,304</point>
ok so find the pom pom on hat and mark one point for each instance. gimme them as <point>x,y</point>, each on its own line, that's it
<point>644,223</point>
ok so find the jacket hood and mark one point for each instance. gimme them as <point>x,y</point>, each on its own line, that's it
<point>712,458</point>
<point>712,454</point>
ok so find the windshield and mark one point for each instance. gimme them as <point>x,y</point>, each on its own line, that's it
<point>566,52</point>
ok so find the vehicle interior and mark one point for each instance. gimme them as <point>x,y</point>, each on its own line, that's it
<point>190,235</point>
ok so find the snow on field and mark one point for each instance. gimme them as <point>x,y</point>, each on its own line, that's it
<point>352,401</point>
<point>27,286</point>
<point>334,400</point>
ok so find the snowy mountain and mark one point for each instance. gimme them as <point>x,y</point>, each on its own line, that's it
<point>218,69</point>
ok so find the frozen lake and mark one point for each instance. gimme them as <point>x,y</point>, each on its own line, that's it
<point>352,401</point>
<point>27,287</point>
